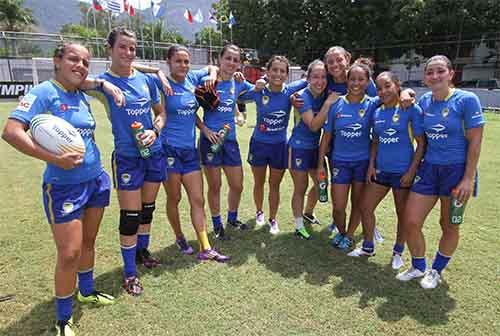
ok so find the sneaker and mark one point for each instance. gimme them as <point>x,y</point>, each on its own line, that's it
<point>377,236</point>
<point>302,233</point>
<point>183,246</point>
<point>333,228</point>
<point>410,274</point>
<point>260,219</point>
<point>359,252</point>
<point>212,254</point>
<point>431,279</point>
<point>65,328</point>
<point>98,298</point>
<point>237,225</point>
<point>397,261</point>
<point>311,219</point>
<point>133,286</point>
<point>337,239</point>
<point>345,244</point>
<point>274,230</point>
<point>220,233</point>
<point>143,256</point>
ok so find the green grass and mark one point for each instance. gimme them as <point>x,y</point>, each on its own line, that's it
<point>273,285</point>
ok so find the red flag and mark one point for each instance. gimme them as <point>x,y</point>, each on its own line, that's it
<point>97,5</point>
<point>131,10</point>
<point>188,16</point>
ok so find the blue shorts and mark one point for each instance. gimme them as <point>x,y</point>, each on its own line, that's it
<point>66,202</point>
<point>229,155</point>
<point>439,180</point>
<point>345,172</point>
<point>181,160</point>
<point>263,154</point>
<point>391,180</point>
<point>130,173</point>
<point>303,159</point>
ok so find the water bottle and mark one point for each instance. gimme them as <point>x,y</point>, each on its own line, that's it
<point>323,187</point>
<point>223,132</point>
<point>456,209</point>
<point>138,131</point>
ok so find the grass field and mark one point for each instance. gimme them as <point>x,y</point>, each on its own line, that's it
<point>273,285</point>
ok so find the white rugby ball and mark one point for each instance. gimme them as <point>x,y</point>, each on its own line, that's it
<point>56,134</point>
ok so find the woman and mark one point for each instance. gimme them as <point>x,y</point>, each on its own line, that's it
<point>304,142</point>
<point>178,140</point>
<point>393,162</point>
<point>453,125</point>
<point>71,176</point>
<point>349,119</point>
<point>268,145</point>
<point>228,157</point>
<point>136,178</point>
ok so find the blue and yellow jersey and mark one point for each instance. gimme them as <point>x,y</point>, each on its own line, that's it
<point>51,97</point>
<point>140,95</point>
<point>394,128</point>
<point>445,123</point>
<point>302,136</point>
<point>273,111</point>
<point>341,88</point>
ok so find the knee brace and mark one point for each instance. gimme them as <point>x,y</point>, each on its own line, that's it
<point>147,212</point>
<point>129,222</point>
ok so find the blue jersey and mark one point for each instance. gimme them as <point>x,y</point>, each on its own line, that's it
<point>341,88</point>
<point>350,125</point>
<point>445,123</point>
<point>395,128</point>
<point>181,107</point>
<point>51,97</point>
<point>273,111</point>
<point>228,91</point>
<point>140,94</point>
<point>302,136</point>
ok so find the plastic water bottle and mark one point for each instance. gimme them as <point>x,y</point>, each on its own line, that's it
<point>323,187</point>
<point>223,132</point>
<point>138,130</point>
<point>457,209</point>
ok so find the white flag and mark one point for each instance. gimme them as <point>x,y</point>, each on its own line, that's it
<point>198,17</point>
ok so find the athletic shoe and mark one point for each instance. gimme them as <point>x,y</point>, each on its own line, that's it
<point>98,298</point>
<point>337,239</point>
<point>220,233</point>
<point>183,246</point>
<point>274,230</point>
<point>212,254</point>
<point>237,225</point>
<point>410,274</point>
<point>311,219</point>
<point>333,228</point>
<point>431,279</point>
<point>359,252</point>
<point>397,261</point>
<point>345,244</point>
<point>143,256</point>
<point>377,236</point>
<point>260,220</point>
<point>133,286</point>
<point>302,233</point>
<point>65,328</point>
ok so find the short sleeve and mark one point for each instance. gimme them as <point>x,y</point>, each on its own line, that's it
<point>296,86</point>
<point>371,90</point>
<point>330,121</point>
<point>244,87</point>
<point>307,102</point>
<point>417,120</point>
<point>196,76</point>
<point>473,113</point>
<point>34,103</point>
<point>153,89</point>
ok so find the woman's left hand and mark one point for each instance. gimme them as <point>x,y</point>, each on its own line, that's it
<point>463,190</point>
<point>239,76</point>
<point>148,138</point>
<point>115,92</point>
<point>407,179</point>
<point>210,82</point>
<point>407,98</point>
<point>165,84</point>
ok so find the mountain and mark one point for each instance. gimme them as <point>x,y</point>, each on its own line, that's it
<point>51,15</point>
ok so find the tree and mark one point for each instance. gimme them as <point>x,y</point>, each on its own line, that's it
<point>13,16</point>
<point>207,34</point>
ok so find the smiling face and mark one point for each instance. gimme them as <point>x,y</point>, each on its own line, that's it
<point>317,79</point>
<point>123,52</point>
<point>388,90</point>
<point>357,81</point>
<point>72,66</point>
<point>229,62</point>
<point>179,64</point>
<point>336,64</point>
<point>277,73</point>
<point>438,75</point>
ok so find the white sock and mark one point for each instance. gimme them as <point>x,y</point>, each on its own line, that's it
<point>299,223</point>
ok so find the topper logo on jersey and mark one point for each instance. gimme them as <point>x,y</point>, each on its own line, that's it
<point>227,107</point>
<point>353,133</point>
<point>439,132</point>
<point>137,111</point>
<point>190,110</point>
<point>276,118</point>
<point>389,140</point>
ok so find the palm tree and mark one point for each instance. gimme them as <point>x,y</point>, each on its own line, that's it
<point>13,16</point>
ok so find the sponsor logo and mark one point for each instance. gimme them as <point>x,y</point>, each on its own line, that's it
<point>265,100</point>
<point>390,131</point>
<point>340,115</point>
<point>63,107</point>
<point>361,113</point>
<point>224,109</point>
<point>272,122</point>
<point>427,114</point>
<point>323,185</point>
<point>170,161</point>
<point>26,102</point>
<point>126,178</point>
<point>353,133</point>
<point>298,162</point>
<point>437,134</point>
<point>191,109</point>
<point>457,203</point>
<point>384,140</point>
<point>262,128</point>
<point>66,136</point>
<point>379,121</point>
<point>445,112</point>
<point>438,128</point>
<point>67,207</point>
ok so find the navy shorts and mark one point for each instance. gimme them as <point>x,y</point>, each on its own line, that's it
<point>262,154</point>
<point>181,160</point>
<point>228,155</point>
<point>130,173</point>
<point>346,172</point>
<point>303,159</point>
<point>66,202</point>
<point>391,180</point>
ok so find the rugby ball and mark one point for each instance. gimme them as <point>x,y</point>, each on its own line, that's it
<point>56,135</point>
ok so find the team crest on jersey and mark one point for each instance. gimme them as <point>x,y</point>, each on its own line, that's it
<point>67,207</point>
<point>126,178</point>
<point>361,113</point>
<point>170,161</point>
<point>265,100</point>
<point>210,156</point>
<point>335,172</point>
<point>445,112</point>
<point>395,118</point>
<point>298,162</point>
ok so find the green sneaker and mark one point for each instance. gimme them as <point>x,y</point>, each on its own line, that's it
<point>302,233</point>
<point>65,328</point>
<point>98,298</point>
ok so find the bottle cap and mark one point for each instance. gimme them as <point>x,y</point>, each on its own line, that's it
<point>136,125</point>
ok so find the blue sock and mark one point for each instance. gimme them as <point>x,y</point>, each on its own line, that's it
<point>64,308</point>
<point>232,216</point>
<point>398,248</point>
<point>368,246</point>
<point>128,255</point>
<point>418,263</point>
<point>142,241</point>
<point>440,262</point>
<point>217,221</point>
<point>86,282</point>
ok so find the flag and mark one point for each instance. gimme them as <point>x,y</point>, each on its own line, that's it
<point>158,9</point>
<point>114,6</point>
<point>212,18</point>
<point>198,17</point>
<point>188,16</point>
<point>125,6</point>
<point>97,5</point>
<point>131,10</point>
<point>232,20</point>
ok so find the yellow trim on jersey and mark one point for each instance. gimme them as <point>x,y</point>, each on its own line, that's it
<point>132,74</point>
<point>452,91</point>
<point>383,107</point>
<point>59,85</point>
<point>49,204</point>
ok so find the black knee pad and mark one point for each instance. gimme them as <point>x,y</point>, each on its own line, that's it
<point>147,212</point>
<point>129,222</point>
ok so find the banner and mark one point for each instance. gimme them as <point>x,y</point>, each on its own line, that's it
<point>9,90</point>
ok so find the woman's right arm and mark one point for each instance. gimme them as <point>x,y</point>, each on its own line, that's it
<point>315,122</point>
<point>370,173</point>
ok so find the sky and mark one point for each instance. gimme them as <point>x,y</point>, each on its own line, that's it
<point>142,4</point>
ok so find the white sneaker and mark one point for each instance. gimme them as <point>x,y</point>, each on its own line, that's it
<point>410,274</point>
<point>259,218</point>
<point>359,252</point>
<point>377,236</point>
<point>431,279</point>
<point>397,261</point>
<point>274,227</point>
